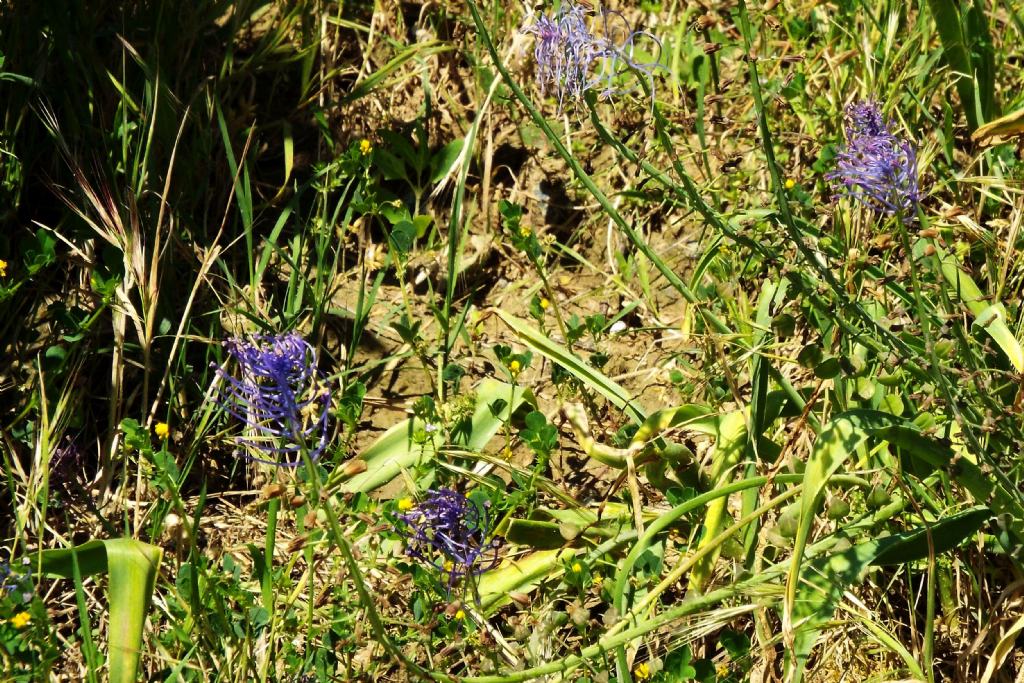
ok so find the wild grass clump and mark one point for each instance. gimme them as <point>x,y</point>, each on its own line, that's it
<point>490,343</point>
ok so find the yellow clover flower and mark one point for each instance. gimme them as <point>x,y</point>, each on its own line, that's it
<point>162,430</point>
<point>20,620</point>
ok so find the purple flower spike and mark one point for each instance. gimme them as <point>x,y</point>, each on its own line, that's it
<point>448,531</point>
<point>280,397</point>
<point>571,60</point>
<point>876,167</point>
<point>865,118</point>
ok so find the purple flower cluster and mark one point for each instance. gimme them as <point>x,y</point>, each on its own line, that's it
<point>876,167</point>
<point>571,59</point>
<point>280,396</point>
<point>449,531</point>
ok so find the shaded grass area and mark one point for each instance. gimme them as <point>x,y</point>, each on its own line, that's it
<point>695,414</point>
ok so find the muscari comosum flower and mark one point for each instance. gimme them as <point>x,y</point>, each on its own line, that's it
<point>876,167</point>
<point>279,395</point>
<point>572,59</point>
<point>449,531</point>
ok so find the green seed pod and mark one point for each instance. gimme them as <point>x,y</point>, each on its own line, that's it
<point>732,549</point>
<point>890,379</point>
<point>878,497</point>
<point>777,539</point>
<point>944,347</point>
<point>788,524</point>
<point>837,509</point>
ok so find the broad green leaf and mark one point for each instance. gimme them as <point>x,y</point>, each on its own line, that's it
<point>730,443</point>
<point>954,47</point>
<point>520,574</point>
<point>993,320</point>
<point>534,534</point>
<point>540,343</point>
<point>445,158</point>
<point>398,450</point>
<point>820,589</point>
<point>990,317</point>
<point>947,533</point>
<point>841,437</point>
<point>132,567</point>
<point>1006,504</point>
<point>824,579</point>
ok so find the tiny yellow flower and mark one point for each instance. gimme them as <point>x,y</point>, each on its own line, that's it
<point>448,565</point>
<point>642,671</point>
<point>597,579</point>
<point>3,268</point>
<point>20,620</point>
<point>790,183</point>
<point>545,304</point>
<point>461,614</point>
<point>405,504</point>
<point>365,147</point>
<point>162,430</point>
<point>524,231</point>
<point>514,367</point>
<point>577,567</point>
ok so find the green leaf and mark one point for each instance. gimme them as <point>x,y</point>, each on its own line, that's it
<point>946,534</point>
<point>821,587</point>
<point>132,567</point>
<point>730,443</point>
<point>442,162</point>
<point>542,344</point>
<point>403,235</point>
<point>520,574</point>
<point>840,438</point>
<point>825,579</point>
<point>534,534</point>
<point>954,48</point>
<point>398,450</point>
<point>390,166</point>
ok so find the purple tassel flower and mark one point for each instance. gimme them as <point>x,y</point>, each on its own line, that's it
<point>570,59</point>
<point>865,118</point>
<point>448,531</point>
<point>876,167</point>
<point>280,397</point>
